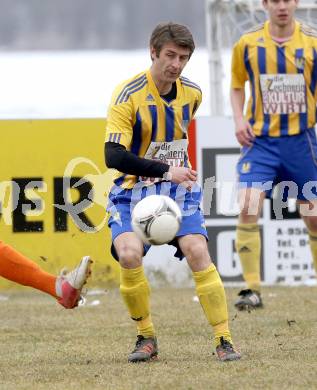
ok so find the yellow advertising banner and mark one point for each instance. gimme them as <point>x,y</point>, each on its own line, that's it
<point>53,194</point>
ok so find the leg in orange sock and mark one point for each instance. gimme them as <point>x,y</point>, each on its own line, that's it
<point>17,268</point>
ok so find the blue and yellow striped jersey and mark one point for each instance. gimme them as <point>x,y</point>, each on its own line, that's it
<point>147,125</point>
<point>283,79</point>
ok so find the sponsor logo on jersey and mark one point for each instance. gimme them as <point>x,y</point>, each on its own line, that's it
<point>284,93</point>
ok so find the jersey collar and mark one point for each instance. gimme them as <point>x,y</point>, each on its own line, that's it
<point>155,91</point>
<point>287,43</point>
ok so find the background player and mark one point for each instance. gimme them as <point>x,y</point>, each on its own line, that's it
<point>146,128</point>
<point>279,59</point>
<point>66,288</point>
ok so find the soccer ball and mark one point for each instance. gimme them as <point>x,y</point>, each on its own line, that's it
<point>156,219</point>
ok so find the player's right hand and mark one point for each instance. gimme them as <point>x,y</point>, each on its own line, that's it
<point>184,176</point>
<point>244,132</point>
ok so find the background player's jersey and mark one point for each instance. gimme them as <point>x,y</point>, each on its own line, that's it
<point>148,126</point>
<point>283,80</point>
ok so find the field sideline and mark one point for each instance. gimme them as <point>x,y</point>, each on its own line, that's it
<point>44,346</point>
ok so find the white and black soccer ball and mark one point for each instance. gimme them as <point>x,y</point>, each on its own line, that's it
<point>156,219</point>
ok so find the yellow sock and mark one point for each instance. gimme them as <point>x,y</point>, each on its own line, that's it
<point>135,291</point>
<point>313,247</point>
<point>212,298</point>
<point>145,327</point>
<point>248,246</point>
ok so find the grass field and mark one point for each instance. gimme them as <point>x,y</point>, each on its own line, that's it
<point>44,346</point>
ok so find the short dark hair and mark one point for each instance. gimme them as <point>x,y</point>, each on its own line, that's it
<point>172,32</point>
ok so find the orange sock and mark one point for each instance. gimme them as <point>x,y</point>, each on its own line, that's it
<point>16,267</point>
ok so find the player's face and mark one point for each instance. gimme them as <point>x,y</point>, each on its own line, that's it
<point>281,12</point>
<point>170,62</point>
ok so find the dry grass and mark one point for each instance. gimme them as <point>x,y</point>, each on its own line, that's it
<point>44,346</point>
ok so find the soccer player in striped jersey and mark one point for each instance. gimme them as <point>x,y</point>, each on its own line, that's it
<point>146,142</point>
<point>66,288</point>
<point>277,134</point>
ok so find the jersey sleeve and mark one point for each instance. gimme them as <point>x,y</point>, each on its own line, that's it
<point>197,103</point>
<point>119,124</point>
<point>238,72</point>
